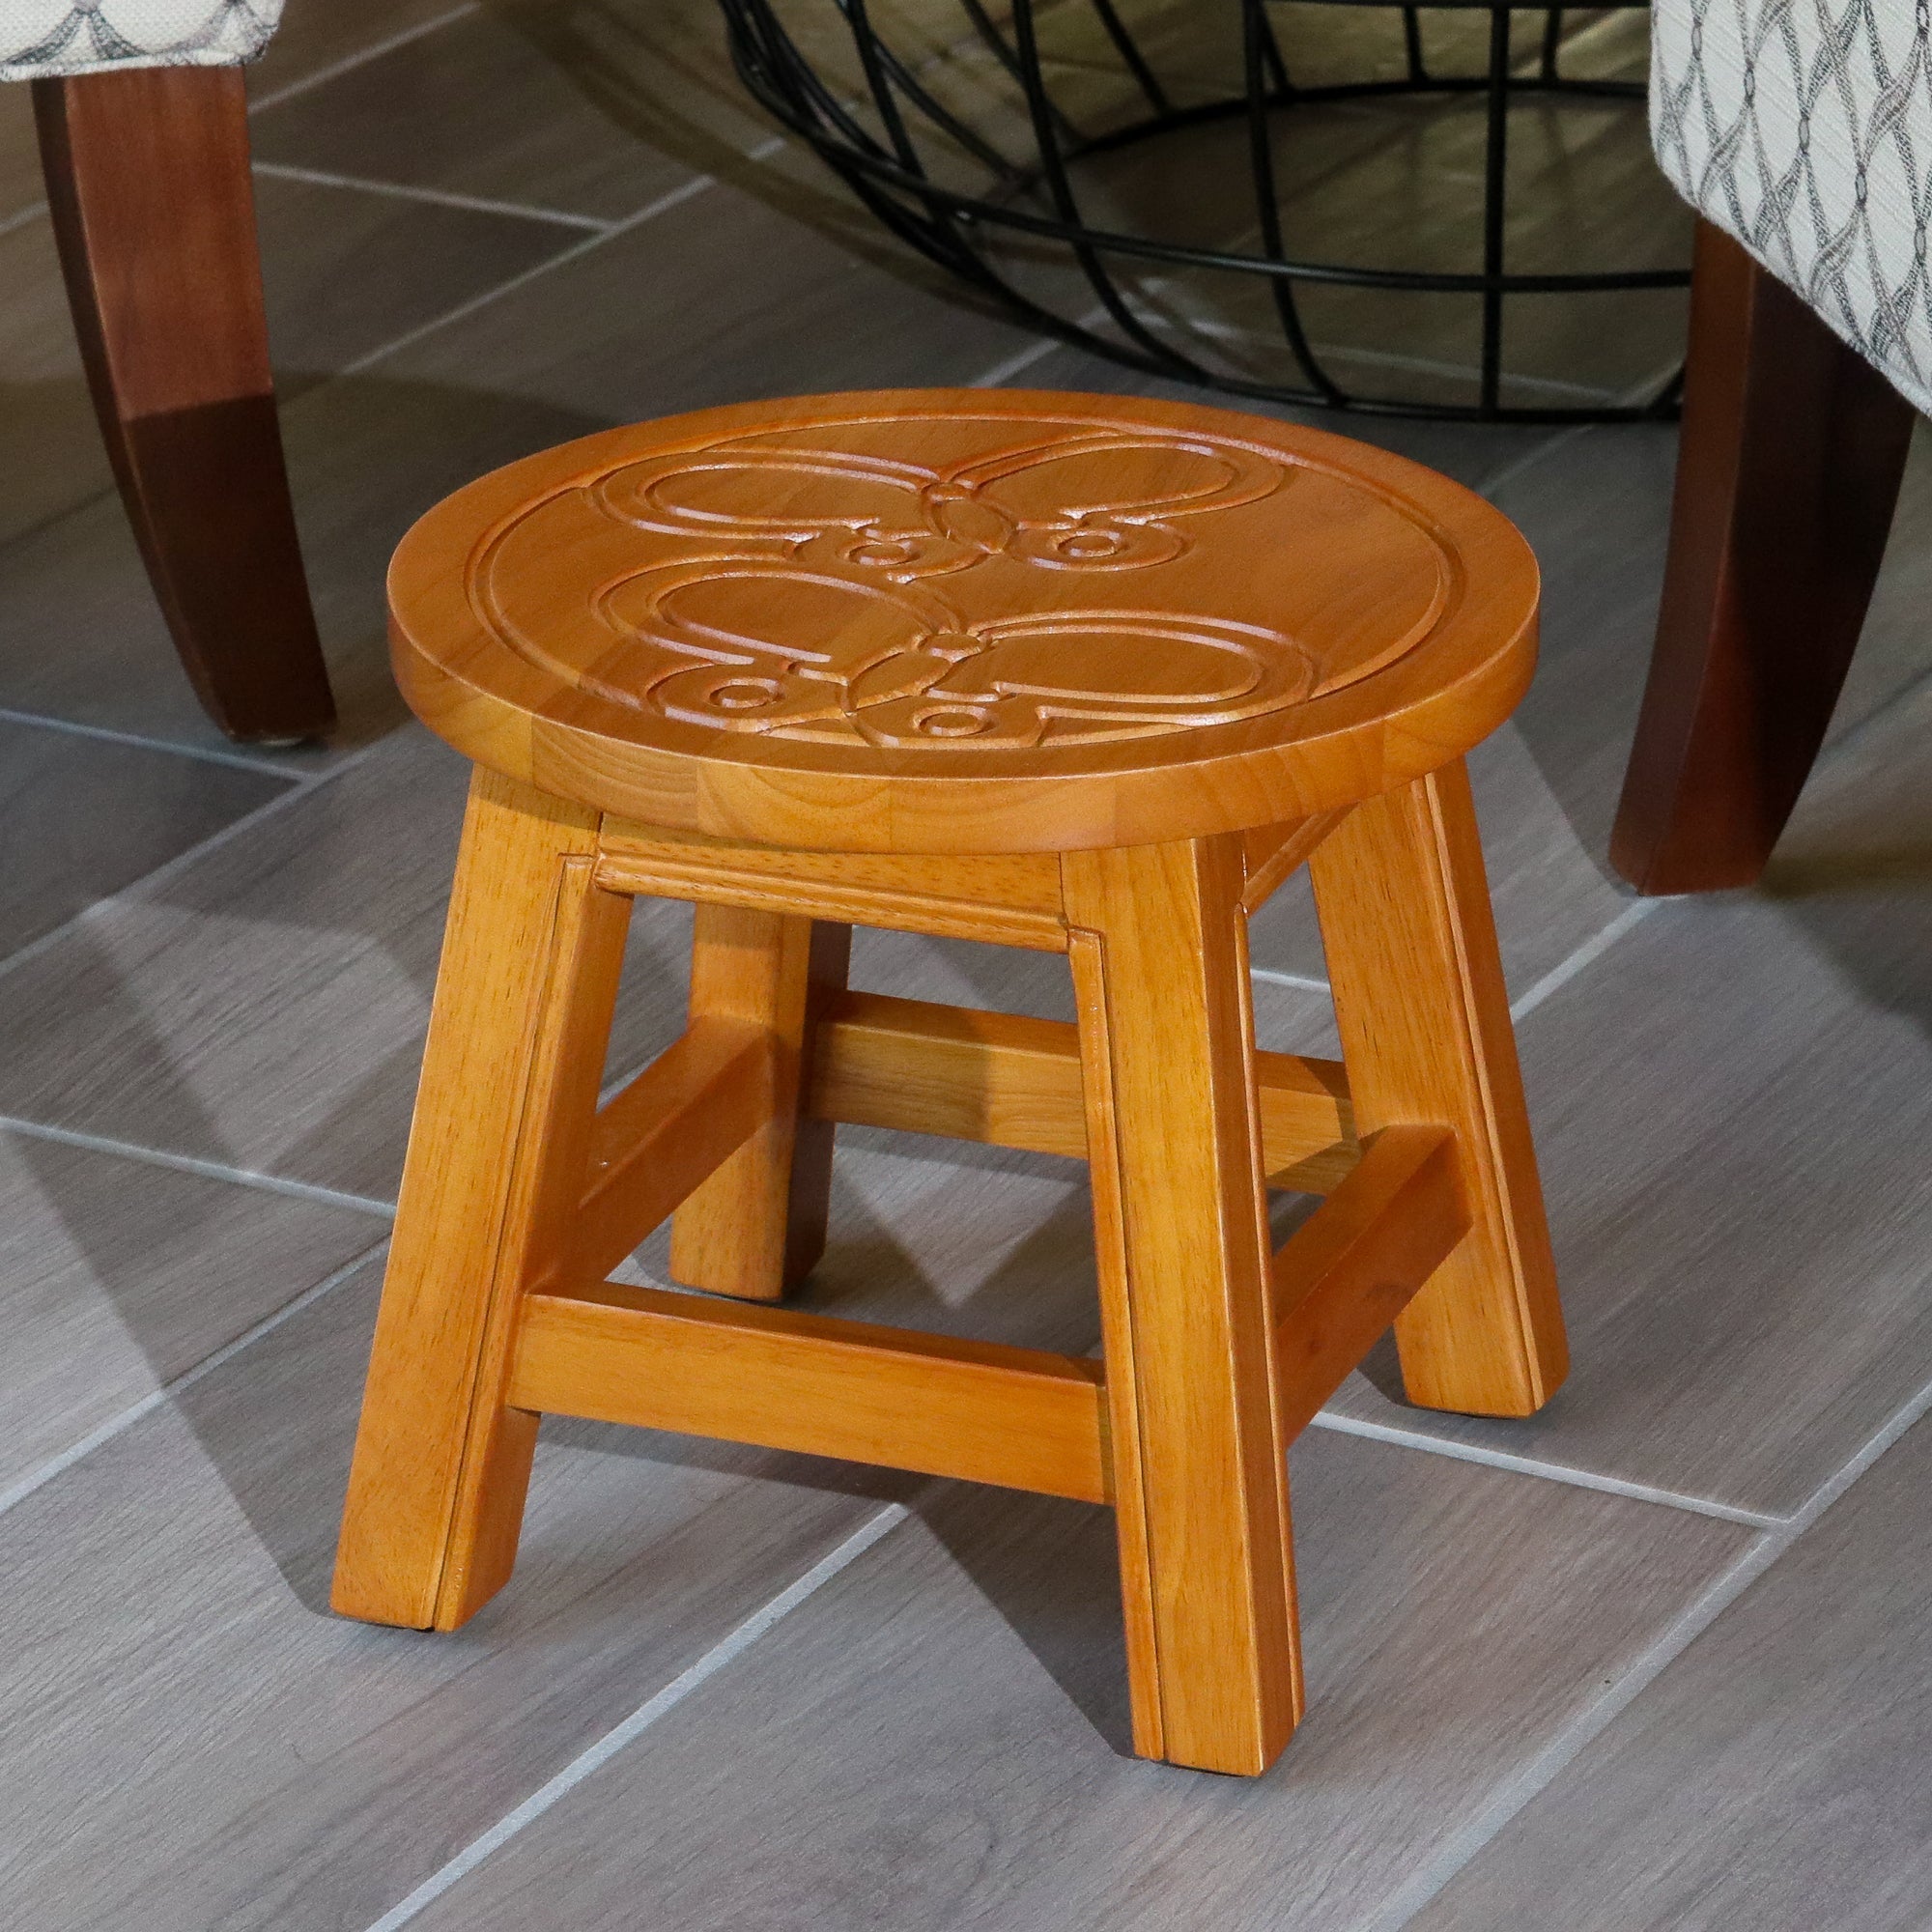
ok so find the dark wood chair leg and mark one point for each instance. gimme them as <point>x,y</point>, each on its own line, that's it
<point>1787,476</point>
<point>152,208</point>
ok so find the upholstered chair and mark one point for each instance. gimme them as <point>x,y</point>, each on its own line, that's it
<point>144,140</point>
<point>1800,131</point>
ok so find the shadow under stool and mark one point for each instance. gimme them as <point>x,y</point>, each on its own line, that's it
<point>1072,672</point>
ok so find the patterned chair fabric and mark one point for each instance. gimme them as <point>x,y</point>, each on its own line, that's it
<point>1804,128</point>
<point>44,37</point>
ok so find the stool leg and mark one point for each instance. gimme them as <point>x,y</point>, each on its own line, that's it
<point>1159,955</point>
<point>1426,1036</point>
<point>757,1227</point>
<point>498,1153</point>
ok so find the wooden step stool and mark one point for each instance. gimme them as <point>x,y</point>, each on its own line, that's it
<point>1072,673</point>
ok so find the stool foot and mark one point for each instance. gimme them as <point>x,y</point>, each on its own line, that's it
<point>1159,956</point>
<point>497,1157</point>
<point>1426,1040</point>
<point>757,1227</point>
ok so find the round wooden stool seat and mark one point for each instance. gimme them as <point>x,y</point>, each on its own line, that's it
<point>964,621</point>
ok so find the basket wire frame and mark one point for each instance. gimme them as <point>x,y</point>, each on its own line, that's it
<point>1038,199</point>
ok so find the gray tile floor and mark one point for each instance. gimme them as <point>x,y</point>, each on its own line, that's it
<point>1657,1658</point>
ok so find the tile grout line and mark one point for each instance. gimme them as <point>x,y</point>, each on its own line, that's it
<point>1226,331</point>
<point>203,1169</point>
<point>349,63</point>
<point>1569,1475</point>
<point>732,1645</point>
<point>602,230</point>
<point>207,754</point>
<point>1583,957</point>
<point>684,192</point>
<point>1561,439</point>
<point>1556,439</point>
<point>1515,1793</point>
<point>1036,350</point>
<point>436,197</point>
<point>117,1425</point>
<point>1429,365</point>
<point>303,786</point>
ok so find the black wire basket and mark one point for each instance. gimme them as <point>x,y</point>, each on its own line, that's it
<point>1339,202</point>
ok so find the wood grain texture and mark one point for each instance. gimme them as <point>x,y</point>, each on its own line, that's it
<point>1272,854</point>
<point>971,1076</point>
<point>1787,473</point>
<point>149,186</point>
<point>951,622</point>
<point>1201,1498</point>
<point>499,1155</point>
<point>1356,1263</point>
<point>1426,1036</point>
<point>1006,899</point>
<point>1014,1081</point>
<point>691,1109</point>
<point>757,1227</point>
<point>1018,1417</point>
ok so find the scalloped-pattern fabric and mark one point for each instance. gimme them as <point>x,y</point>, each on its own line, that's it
<point>44,37</point>
<point>1804,128</point>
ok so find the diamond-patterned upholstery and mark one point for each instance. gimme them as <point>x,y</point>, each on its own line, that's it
<point>44,37</point>
<point>1804,128</point>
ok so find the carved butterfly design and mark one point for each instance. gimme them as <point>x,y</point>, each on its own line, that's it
<point>787,584</point>
<point>1095,501</point>
<point>780,649</point>
<point>813,612</point>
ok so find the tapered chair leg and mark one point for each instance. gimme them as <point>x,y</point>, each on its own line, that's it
<point>757,1227</point>
<point>1159,955</point>
<point>1426,1039</point>
<point>147,182</point>
<point>498,1156</point>
<point>1787,476</point>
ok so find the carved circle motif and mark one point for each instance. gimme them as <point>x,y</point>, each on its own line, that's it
<point>985,583</point>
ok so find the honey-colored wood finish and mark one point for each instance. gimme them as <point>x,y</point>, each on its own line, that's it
<point>1273,854</point>
<point>992,1414</point>
<point>498,1153</point>
<point>1348,1272</point>
<point>976,622</point>
<point>757,1226</point>
<point>711,1093</point>
<point>1014,1081</point>
<point>1180,1208</point>
<point>1058,673</point>
<point>1006,899</point>
<point>1426,1036</point>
